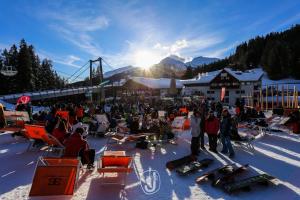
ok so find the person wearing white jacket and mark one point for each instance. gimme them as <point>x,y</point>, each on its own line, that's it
<point>195,131</point>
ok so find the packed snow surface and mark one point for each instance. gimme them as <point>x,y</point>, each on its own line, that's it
<point>277,154</point>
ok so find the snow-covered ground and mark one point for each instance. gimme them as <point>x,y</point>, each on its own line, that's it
<point>277,154</point>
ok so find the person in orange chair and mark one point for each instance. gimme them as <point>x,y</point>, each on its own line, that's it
<point>76,146</point>
<point>60,133</point>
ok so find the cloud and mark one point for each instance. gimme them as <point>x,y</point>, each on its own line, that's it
<point>76,27</point>
<point>69,60</point>
<point>142,25</point>
<point>288,22</point>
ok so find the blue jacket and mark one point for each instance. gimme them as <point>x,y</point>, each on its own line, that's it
<point>225,126</point>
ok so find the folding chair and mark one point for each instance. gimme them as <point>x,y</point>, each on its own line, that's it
<point>115,162</point>
<point>55,176</point>
<point>34,132</point>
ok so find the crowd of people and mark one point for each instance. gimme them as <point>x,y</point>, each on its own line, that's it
<point>209,118</point>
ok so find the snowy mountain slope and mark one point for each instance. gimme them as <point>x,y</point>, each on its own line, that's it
<point>201,60</point>
<point>118,71</point>
<point>173,62</point>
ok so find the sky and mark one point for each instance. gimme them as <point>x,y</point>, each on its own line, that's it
<point>138,33</point>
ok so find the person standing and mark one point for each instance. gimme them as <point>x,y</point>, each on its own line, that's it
<point>212,126</point>
<point>202,124</point>
<point>225,130</point>
<point>195,126</point>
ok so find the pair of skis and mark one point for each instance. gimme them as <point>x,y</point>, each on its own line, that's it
<point>188,164</point>
<point>224,177</point>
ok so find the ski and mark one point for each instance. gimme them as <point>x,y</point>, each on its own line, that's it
<point>193,166</point>
<point>245,184</point>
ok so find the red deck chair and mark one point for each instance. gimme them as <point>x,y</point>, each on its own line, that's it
<point>115,162</point>
<point>55,176</point>
<point>35,132</point>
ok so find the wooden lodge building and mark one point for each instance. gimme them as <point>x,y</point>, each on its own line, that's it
<point>237,84</point>
<point>145,87</point>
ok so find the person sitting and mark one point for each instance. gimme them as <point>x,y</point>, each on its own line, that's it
<point>60,133</point>
<point>212,126</point>
<point>76,146</point>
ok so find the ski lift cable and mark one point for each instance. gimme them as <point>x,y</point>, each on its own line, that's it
<point>78,70</point>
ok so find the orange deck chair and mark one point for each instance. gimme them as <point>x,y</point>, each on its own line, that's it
<point>55,176</point>
<point>115,162</point>
<point>35,132</point>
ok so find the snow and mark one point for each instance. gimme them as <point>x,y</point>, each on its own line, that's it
<point>283,82</point>
<point>202,78</point>
<point>174,62</point>
<point>160,83</point>
<point>248,75</point>
<point>118,71</point>
<point>201,60</point>
<point>277,154</point>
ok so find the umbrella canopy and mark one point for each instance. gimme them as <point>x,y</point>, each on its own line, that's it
<point>23,100</point>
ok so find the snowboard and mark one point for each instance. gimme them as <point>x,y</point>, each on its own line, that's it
<point>178,162</point>
<point>245,184</point>
<point>229,177</point>
<point>193,166</point>
<point>213,173</point>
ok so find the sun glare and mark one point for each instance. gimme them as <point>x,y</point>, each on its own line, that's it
<point>145,59</point>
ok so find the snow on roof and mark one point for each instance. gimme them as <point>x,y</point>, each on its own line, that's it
<point>156,83</point>
<point>248,75</point>
<point>202,78</point>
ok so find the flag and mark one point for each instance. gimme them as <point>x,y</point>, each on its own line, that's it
<point>222,93</point>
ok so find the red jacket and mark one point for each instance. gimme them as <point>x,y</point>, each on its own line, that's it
<point>59,135</point>
<point>74,144</point>
<point>212,126</point>
<point>79,112</point>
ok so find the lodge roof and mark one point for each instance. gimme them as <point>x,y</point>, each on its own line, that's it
<point>154,83</point>
<point>205,78</point>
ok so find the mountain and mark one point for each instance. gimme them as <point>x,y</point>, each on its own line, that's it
<point>173,62</point>
<point>200,61</point>
<point>118,71</point>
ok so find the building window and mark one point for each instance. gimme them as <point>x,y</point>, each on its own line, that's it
<point>227,93</point>
<point>226,100</point>
<point>240,91</point>
<point>210,91</point>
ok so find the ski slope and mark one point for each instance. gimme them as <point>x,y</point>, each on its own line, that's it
<point>277,154</point>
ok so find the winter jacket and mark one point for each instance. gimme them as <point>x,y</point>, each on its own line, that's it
<point>195,126</point>
<point>74,144</point>
<point>79,112</point>
<point>225,126</point>
<point>212,126</point>
<point>59,134</point>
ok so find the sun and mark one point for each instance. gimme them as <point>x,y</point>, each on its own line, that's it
<point>145,59</point>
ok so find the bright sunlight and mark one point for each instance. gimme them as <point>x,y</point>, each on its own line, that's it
<point>146,59</point>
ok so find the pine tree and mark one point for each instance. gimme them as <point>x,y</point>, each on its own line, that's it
<point>24,67</point>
